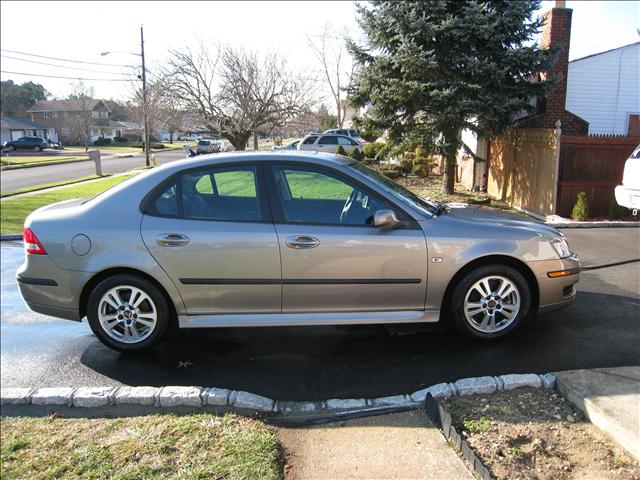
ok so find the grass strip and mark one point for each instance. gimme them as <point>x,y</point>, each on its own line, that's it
<point>14,211</point>
<point>44,186</point>
<point>156,446</point>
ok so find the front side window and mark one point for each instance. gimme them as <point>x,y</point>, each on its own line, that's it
<point>311,196</point>
<point>346,141</point>
<point>309,141</point>
<point>223,193</point>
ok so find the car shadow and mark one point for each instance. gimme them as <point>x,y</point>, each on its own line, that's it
<point>312,363</point>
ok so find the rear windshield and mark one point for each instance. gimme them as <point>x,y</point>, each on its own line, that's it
<point>203,142</point>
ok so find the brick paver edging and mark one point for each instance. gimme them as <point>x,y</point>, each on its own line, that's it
<point>127,401</point>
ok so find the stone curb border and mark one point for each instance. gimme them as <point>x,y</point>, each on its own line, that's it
<point>612,224</point>
<point>443,420</point>
<point>87,401</point>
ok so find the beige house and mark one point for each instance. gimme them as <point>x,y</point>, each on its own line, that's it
<point>72,118</point>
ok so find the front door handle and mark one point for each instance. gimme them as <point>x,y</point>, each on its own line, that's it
<point>302,241</point>
<point>172,240</point>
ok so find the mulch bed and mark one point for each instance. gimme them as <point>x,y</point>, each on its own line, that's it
<point>532,433</point>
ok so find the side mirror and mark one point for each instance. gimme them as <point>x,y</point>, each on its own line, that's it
<point>385,219</point>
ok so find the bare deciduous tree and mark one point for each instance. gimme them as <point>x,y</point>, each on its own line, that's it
<point>237,91</point>
<point>337,67</point>
<point>81,120</point>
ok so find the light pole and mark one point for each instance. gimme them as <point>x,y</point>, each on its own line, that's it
<point>145,112</point>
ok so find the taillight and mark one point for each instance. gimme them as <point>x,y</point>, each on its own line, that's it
<point>31,243</point>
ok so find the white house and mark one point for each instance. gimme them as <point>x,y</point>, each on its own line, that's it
<point>604,89</point>
<point>12,128</point>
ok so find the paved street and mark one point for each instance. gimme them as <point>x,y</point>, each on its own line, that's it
<point>601,329</point>
<point>27,177</point>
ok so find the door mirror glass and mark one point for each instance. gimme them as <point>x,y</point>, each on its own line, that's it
<point>385,219</point>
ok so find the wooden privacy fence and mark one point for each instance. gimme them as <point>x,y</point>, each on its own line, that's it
<point>523,169</point>
<point>593,165</point>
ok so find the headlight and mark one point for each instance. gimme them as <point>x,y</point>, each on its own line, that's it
<point>561,247</point>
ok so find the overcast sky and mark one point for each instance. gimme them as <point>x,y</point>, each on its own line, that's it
<point>81,30</point>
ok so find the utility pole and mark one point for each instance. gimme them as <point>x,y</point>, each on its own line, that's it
<point>144,101</point>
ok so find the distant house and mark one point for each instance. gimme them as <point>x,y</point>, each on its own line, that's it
<point>12,128</point>
<point>69,118</point>
<point>604,89</point>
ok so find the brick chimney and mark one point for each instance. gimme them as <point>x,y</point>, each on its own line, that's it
<point>557,33</point>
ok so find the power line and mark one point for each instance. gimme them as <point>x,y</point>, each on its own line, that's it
<point>63,66</point>
<point>64,59</point>
<point>68,78</point>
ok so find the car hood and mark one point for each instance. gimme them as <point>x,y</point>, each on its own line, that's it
<point>499,218</point>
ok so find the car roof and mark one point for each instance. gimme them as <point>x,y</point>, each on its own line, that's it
<point>318,158</point>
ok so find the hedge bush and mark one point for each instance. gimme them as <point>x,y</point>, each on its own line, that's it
<point>372,150</point>
<point>102,141</point>
<point>341,151</point>
<point>581,208</point>
<point>356,154</point>
<point>617,211</point>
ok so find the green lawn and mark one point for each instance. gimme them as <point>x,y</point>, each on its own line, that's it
<point>201,446</point>
<point>53,184</point>
<point>22,161</point>
<point>13,211</point>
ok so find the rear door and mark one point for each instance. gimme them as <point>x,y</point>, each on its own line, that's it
<point>333,258</point>
<point>210,229</point>
<point>328,143</point>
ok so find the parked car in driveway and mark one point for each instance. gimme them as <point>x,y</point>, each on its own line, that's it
<point>28,143</point>
<point>207,146</point>
<point>285,238</point>
<point>320,142</point>
<point>288,146</point>
<point>628,194</point>
<point>348,132</point>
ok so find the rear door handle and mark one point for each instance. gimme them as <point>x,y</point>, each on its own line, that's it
<point>172,240</point>
<point>302,241</point>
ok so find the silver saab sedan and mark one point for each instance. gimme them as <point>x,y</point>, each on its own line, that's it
<point>279,238</point>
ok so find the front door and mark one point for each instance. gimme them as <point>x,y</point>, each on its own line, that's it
<point>333,258</point>
<point>210,230</point>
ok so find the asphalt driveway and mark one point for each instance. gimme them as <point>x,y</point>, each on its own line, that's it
<point>601,329</point>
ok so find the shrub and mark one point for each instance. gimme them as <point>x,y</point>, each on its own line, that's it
<point>356,154</point>
<point>422,164</point>
<point>120,139</point>
<point>341,151</point>
<point>617,211</point>
<point>373,150</point>
<point>102,141</point>
<point>581,208</point>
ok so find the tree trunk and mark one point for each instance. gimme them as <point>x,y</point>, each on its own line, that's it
<point>238,139</point>
<point>255,140</point>
<point>450,155</point>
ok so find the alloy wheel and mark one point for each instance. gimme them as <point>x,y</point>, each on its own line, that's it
<point>492,304</point>
<point>127,314</point>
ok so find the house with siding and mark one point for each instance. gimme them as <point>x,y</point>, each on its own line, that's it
<point>604,89</point>
<point>70,119</point>
<point>12,128</point>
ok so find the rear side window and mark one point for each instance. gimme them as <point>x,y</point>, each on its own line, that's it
<point>329,140</point>
<point>309,141</point>
<point>223,193</point>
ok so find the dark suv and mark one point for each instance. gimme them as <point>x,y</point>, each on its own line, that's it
<point>28,143</point>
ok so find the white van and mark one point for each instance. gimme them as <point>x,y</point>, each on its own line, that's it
<point>628,194</point>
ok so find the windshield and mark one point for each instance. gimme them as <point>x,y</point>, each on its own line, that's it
<point>433,207</point>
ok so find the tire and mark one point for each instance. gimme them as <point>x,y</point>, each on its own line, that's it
<point>13,148</point>
<point>38,149</point>
<point>508,302</point>
<point>118,328</point>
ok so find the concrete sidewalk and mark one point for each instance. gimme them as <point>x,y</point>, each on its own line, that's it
<point>610,398</point>
<point>395,446</point>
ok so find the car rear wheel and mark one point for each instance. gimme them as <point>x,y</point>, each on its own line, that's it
<point>128,313</point>
<point>13,148</point>
<point>490,301</point>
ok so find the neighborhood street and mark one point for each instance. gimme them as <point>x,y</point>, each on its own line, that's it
<point>29,177</point>
<point>599,330</point>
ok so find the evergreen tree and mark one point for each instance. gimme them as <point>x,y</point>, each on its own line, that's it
<point>433,68</point>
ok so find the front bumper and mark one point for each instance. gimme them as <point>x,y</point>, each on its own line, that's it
<point>556,293</point>
<point>628,197</point>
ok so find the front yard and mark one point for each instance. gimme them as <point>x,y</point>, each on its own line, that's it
<point>156,446</point>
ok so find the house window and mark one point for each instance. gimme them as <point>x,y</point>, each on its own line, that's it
<point>46,114</point>
<point>65,131</point>
<point>94,114</point>
<point>104,115</point>
<point>54,114</point>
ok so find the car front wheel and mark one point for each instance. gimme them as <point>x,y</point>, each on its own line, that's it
<point>490,301</point>
<point>128,313</point>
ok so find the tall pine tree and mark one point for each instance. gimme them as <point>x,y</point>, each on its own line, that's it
<point>433,68</point>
